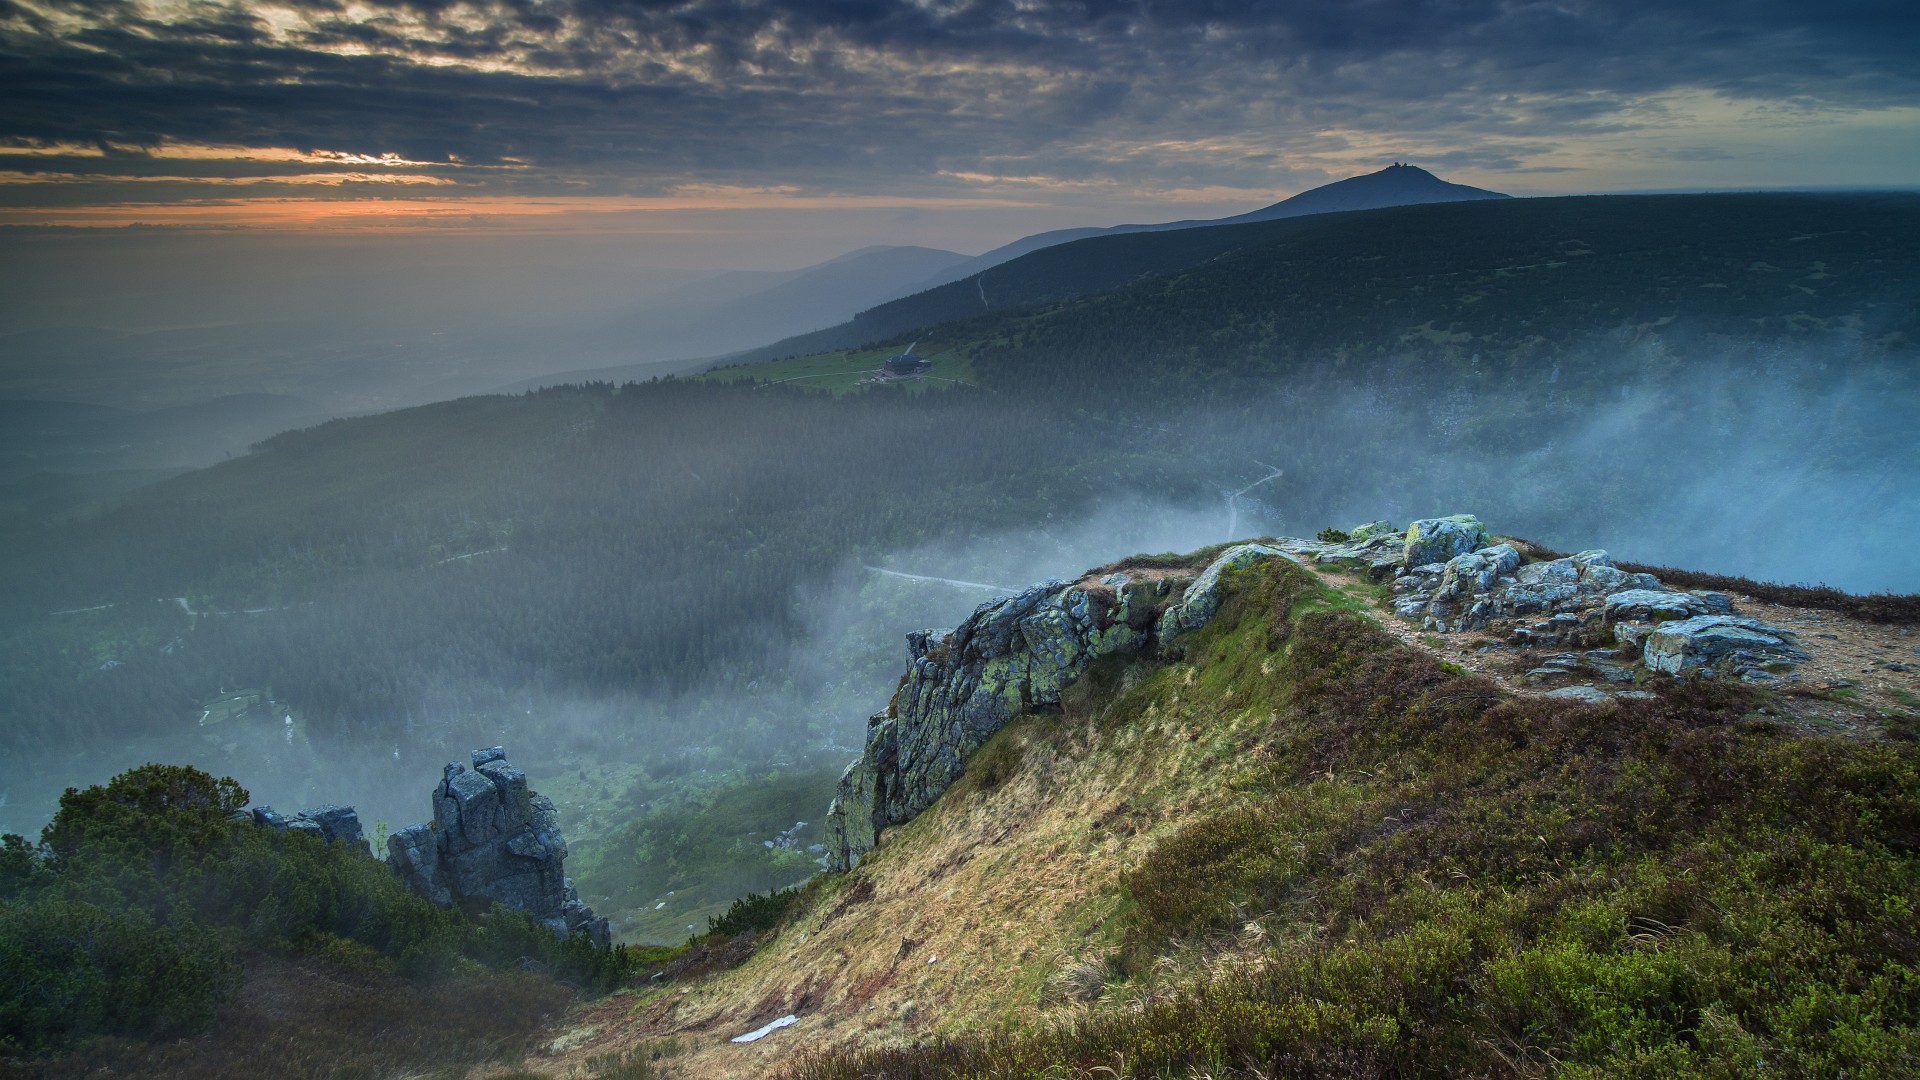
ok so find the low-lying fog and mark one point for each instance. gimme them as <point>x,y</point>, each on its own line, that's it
<point>1771,465</point>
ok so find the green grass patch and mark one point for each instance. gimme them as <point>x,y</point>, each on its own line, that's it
<point>993,764</point>
<point>684,859</point>
<point>847,371</point>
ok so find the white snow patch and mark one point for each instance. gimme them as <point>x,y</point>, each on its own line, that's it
<point>761,1032</point>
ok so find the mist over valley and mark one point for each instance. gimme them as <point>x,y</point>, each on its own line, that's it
<point>882,644</point>
<point>694,582</point>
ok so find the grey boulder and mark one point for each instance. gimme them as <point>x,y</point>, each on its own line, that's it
<point>1705,643</point>
<point>1432,540</point>
<point>331,823</point>
<point>1655,605</point>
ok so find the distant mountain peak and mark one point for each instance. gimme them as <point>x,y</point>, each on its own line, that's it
<point>1399,184</point>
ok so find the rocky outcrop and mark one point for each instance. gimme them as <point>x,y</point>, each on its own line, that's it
<point>1448,575</point>
<point>1013,654</point>
<point>331,823</point>
<point>1657,605</point>
<point>1372,529</point>
<point>1201,600</point>
<point>1638,623</point>
<point>493,840</point>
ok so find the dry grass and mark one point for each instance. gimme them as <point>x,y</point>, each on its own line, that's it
<point>968,916</point>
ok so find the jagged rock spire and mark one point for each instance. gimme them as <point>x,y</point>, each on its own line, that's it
<point>493,840</point>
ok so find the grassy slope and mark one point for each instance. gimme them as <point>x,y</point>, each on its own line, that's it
<point>1306,849</point>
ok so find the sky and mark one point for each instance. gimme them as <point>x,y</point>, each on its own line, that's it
<point>712,128</point>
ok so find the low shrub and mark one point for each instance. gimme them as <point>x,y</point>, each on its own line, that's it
<point>753,913</point>
<point>144,896</point>
<point>72,968</point>
<point>993,764</point>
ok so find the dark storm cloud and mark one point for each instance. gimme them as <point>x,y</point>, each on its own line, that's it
<point>594,96</point>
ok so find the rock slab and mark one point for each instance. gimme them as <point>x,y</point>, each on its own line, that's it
<point>1740,646</point>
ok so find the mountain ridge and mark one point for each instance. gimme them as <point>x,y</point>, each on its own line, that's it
<point>1396,185</point>
<point>710,320</point>
<point>1444,261</point>
<point>820,295</point>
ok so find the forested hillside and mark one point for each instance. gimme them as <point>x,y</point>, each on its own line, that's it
<point>423,576</point>
<point>1517,275</point>
<point>625,573</point>
<point>158,930</point>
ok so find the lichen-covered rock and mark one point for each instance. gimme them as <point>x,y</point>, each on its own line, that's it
<point>850,817</point>
<point>1577,583</point>
<point>1373,529</point>
<point>333,823</point>
<point>1202,598</point>
<point>1590,695</point>
<point>1710,643</point>
<point>1578,600</point>
<point>1435,540</point>
<point>1013,654</point>
<point>1543,585</point>
<point>493,840</point>
<point>1631,635</point>
<point>414,854</point>
<point>1718,603</point>
<point>1367,550</point>
<point>1477,571</point>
